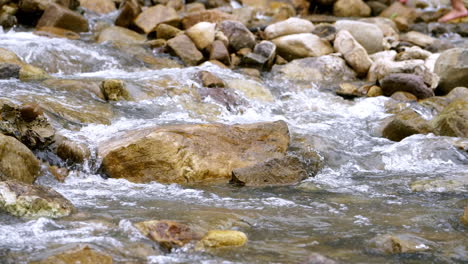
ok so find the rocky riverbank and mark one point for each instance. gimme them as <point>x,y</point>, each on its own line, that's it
<point>246,101</point>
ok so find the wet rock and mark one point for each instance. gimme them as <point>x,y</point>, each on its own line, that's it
<point>72,151</point>
<point>86,88</point>
<point>301,46</point>
<point>418,39</point>
<point>120,35</point>
<point>400,243</point>
<point>319,69</point>
<point>404,96</point>
<point>316,258</point>
<point>185,49</point>
<point>99,6</point>
<point>8,70</point>
<point>413,53</point>
<point>452,121</point>
<point>58,16</point>
<point>354,54</point>
<point>223,238</point>
<point>239,36</point>
<point>27,124</point>
<point>438,186</point>
<point>17,162</point>
<point>284,171</point>
<point>212,16</point>
<point>164,31</point>
<point>128,12</point>
<point>452,67</point>
<point>155,15</point>
<point>374,91</point>
<point>266,49</point>
<point>202,34</point>
<point>82,254</point>
<point>27,72</point>
<point>351,8</point>
<point>55,32</point>
<point>32,201</point>
<point>251,89</point>
<point>114,90</point>
<point>218,51</point>
<point>210,80</point>
<point>349,91</point>
<point>325,31</point>
<point>290,26</point>
<point>464,217</point>
<point>405,82</point>
<point>168,234</point>
<point>192,153</point>
<point>405,124</point>
<point>368,35</point>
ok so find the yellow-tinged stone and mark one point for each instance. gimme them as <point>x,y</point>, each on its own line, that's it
<point>374,91</point>
<point>251,89</point>
<point>223,238</point>
<point>464,217</point>
<point>82,255</point>
<point>32,73</point>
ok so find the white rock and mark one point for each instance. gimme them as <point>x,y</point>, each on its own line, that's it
<point>354,54</point>
<point>290,26</point>
<point>202,34</point>
<point>302,46</point>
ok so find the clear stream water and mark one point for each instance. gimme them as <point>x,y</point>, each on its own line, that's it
<point>362,191</point>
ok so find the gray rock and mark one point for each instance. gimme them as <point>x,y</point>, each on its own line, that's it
<point>405,124</point>
<point>301,46</point>
<point>368,35</point>
<point>452,68</point>
<point>8,70</point>
<point>289,26</point>
<point>185,49</point>
<point>405,82</point>
<point>354,54</point>
<point>239,36</point>
<point>452,121</point>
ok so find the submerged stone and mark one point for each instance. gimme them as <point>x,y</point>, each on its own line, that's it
<point>32,201</point>
<point>223,238</point>
<point>405,124</point>
<point>438,185</point>
<point>400,243</point>
<point>83,254</point>
<point>168,234</point>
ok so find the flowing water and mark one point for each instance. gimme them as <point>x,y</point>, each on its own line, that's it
<point>362,191</point>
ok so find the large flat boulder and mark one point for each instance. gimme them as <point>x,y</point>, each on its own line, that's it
<point>204,153</point>
<point>17,162</point>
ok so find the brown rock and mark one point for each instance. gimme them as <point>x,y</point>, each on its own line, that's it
<point>114,90</point>
<point>120,35</point>
<point>192,153</point>
<point>283,171</point>
<point>194,7</point>
<point>129,11</point>
<point>167,233</point>
<point>38,6</point>
<point>405,124</point>
<point>374,91</point>
<point>185,49</point>
<point>452,121</point>
<point>72,151</point>
<point>212,16</point>
<point>239,36</point>
<point>404,96</point>
<point>202,34</point>
<point>398,10</point>
<point>17,162</point>
<point>418,38</point>
<point>301,46</point>
<point>354,54</point>
<point>210,80</point>
<point>218,51</point>
<point>405,82</point>
<point>99,6</point>
<point>82,254</point>
<point>58,16</point>
<point>351,8</point>
<point>164,31</point>
<point>55,32</point>
<point>464,217</point>
<point>153,16</point>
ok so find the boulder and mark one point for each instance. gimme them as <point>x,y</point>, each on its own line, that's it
<point>368,35</point>
<point>223,238</point>
<point>452,68</point>
<point>301,46</point>
<point>210,80</point>
<point>212,16</point>
<point>61,17</point>
<point>38,6</point>
<point>452,121</point>
<point>82,254</point>
<point>405,82</point>
<point>120,35</point>
<point>218,51</point>
<point>283,171</point>
<point>114,90</point>
<point>330,69</point>
<point>155,15</point>
<point>17,162</point>
<point>202,34</point>
<point>239,36</point>
<point>32,201</point>
<point>185,49</point>
<point>417,38</point>
<point>99,6</point>
<point>128,12</point>
<point>9,70</point>
<point>354,54</point>
<point>27,124</point>
<point>405,124</point>
<point>290,26</point>
<point>55,32</point>
<point>168,234</point>
<point>72,151</point>
<point>165,31</point>
<point>351,8</point>
<point>400,243</point>
<point>192,153</point>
